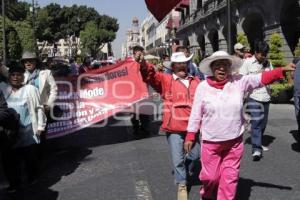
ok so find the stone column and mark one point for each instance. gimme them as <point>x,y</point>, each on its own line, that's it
<point>193,42</point>
<point>208,46</point>
<point>239,28</point>
<point>269,30</point>
<point>222,41</point>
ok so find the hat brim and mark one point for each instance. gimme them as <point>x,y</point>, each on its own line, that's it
<point>33,58</point>
<point>186,59</point>
<point>205,68</point>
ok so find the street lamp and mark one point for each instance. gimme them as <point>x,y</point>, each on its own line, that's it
<point>229,32</point>
<point>3,31</point>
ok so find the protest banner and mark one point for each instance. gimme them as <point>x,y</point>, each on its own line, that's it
<point>94,96</point>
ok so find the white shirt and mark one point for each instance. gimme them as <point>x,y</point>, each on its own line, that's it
<point>252,66</point>
<point>185,81</point>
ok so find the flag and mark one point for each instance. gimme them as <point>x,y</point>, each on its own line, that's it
<point>159,8</point>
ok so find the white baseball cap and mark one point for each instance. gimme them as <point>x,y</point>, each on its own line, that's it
<point>238,46</point>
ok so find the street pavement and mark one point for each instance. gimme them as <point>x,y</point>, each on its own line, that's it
<point>109,163</point>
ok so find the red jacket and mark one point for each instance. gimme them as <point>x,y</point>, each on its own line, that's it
<point>177,98</point>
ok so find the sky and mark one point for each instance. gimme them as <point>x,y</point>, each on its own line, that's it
<point>123,10</point>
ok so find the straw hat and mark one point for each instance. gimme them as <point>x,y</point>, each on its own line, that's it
<point>219,55</point>
<point>28,56</point>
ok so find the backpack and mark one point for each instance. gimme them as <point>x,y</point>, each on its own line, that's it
<point>9,130</point>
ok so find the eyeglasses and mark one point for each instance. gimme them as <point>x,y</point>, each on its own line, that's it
<point>221,64</point>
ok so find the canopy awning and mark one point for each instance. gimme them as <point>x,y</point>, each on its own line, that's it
<point>159,8</point>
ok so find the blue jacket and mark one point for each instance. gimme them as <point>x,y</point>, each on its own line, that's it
<point>297,80</point>
<point>194,71</point>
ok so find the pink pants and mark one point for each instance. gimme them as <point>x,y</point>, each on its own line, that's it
<point>220,168</point>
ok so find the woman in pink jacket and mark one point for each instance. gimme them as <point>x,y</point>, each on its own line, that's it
<point>217,112</point>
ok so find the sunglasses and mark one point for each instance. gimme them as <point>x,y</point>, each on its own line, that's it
<point>29,61</point>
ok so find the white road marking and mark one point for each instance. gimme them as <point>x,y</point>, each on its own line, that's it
<point>142,190</point>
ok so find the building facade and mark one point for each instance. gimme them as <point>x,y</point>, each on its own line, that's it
<point>69,47</point>
<point>204,23</point>
<point>133,38</point>
<point>157,36</point>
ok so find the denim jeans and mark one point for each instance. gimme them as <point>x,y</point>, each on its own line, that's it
<point>182,163</point>
<point>259,112</point>
<point>297,111</point>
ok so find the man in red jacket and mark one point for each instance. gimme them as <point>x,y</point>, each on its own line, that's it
<point>177,91</point>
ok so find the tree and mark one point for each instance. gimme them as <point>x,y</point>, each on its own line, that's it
<point>26,35</point>
<point>108,23</point>
<point>242,38</point>
<point>13,43</point>
<point>275,54</point>
<point>55,22</point>
<point>297,49</point>
<point>48,23</point>
<point>16,10</point>
<point>92,38</point>
<point>14,46</point>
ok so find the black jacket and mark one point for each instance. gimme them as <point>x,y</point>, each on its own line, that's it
<point>4,114</point>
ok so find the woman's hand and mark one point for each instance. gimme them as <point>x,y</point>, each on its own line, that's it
<point>289,67</point>
<point>188,145</point>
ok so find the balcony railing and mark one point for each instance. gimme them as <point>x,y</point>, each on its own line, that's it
<point>209,7</point>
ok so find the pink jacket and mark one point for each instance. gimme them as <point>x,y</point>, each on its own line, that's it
<point>219,112</point>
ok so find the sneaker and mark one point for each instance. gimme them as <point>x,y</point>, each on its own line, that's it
<point>256,155</point>
<point>182,192</point>
<point>264,148</point>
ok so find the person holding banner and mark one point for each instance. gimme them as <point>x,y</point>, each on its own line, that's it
<point>25,100</point>
<point>177,91</point>
<point>140,122</point>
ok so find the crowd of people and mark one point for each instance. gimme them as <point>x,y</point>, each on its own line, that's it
<point>196,98</point>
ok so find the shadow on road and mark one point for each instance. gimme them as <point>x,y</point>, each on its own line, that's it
<point>58,163</point>
<point>245,187</point>
<point>267,140</point>
<point>296,146</point>
<point>62,156</point>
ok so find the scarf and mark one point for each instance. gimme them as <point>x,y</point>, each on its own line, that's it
<point>216,84</point>
<point>32,76</point>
